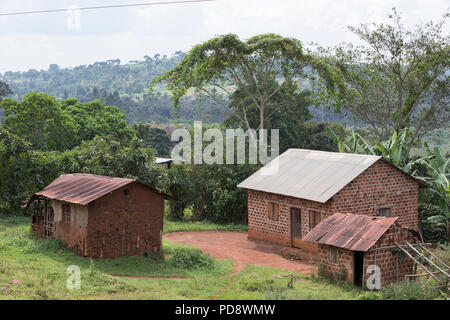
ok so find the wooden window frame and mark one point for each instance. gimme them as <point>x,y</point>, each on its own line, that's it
<point>384,208</point>
<point>312,218</point>
<point>333,251</point>
<point>273,211</point>
<point>67,213</point>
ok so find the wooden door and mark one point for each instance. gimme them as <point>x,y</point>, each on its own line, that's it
<point>296,225</point>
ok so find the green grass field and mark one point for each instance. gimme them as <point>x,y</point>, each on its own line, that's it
<point>33,268</point>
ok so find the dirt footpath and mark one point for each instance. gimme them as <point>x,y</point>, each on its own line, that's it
<point>235,246</point>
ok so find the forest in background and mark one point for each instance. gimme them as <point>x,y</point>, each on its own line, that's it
<point>126,85</point>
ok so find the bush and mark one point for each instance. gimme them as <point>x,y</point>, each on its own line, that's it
<point>409,290</point>
<point>188,258</point>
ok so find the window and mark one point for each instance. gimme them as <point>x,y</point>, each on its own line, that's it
<point>314,218</point>
<point>384,212</point>
<point>66,212</point>
<point>273,211</point>
<point>126,192</point>
<point>333,255</point>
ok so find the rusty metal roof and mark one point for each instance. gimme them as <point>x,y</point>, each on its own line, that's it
<point>81,188</point>
<point>350,231</point>
<point>309,174</point>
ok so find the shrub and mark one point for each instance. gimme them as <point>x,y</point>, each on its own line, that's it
<point>191,258</point>
<point>409,290</point>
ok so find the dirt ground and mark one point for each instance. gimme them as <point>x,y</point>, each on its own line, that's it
<point>236,246</point>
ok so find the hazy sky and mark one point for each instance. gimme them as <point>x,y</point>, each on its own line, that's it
<point>35,41</point>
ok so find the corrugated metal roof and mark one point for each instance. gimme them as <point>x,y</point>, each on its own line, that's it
<point>350,231</point>
<point>309,174</point>
<point>81,188</point>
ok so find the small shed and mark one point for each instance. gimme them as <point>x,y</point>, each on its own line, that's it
<point>99,216</point>
<point>351,244</point>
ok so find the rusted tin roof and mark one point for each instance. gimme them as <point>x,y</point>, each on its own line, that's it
<point>81,188</point>
<point>350,231</point>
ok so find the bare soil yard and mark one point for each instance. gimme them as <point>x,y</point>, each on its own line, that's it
<point>236,246</point>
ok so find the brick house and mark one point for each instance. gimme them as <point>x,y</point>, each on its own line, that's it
<point>309,186</point>
<point>99,216</point>
<point>348,244</point>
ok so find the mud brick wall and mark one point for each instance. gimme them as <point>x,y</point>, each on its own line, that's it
<point>381,185</point>
<point>393,265</point>
<point>125,223</point>
<point>73,233</point>
<point>345,262</point>
<point>263,228</point>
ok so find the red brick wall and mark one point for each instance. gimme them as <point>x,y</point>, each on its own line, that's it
<point>125,225</point>
<point>393,268</point>
<point>345,262</point>
<point>261,227</point>
<point>73,233</point>
<point>380,185</point>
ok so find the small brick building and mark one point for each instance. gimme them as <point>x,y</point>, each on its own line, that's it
<point>348,244</point>
<point>99,216</point>
<point>309,186</point>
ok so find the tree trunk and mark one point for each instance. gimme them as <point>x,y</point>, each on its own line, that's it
<point>261,116</point>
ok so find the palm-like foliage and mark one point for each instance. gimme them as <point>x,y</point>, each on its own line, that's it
<point>437,176</point>
<point>394,150</point>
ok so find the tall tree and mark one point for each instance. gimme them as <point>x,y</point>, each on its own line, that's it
<point>258,68</point>
<point>399,79</point>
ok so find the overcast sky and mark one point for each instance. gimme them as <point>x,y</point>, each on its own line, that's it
<point>35,41</point>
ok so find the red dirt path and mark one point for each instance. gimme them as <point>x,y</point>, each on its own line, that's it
<point>236,246</point>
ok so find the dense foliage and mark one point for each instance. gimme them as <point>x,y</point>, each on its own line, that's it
<point>122,85</point>
<point>399,79</point>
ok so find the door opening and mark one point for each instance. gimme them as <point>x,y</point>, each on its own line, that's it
<point>296,225</point>
<point>358,268</point>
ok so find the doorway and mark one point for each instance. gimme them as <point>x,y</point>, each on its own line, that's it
<point>296,226</point>
<point>358,268</point>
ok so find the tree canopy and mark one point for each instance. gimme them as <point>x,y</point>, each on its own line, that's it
<point>399,79</point>
<point>258,68</point>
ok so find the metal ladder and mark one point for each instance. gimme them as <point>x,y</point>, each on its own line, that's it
<point>420,257</point>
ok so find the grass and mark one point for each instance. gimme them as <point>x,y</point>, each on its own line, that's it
<point>33,268</point>
<point>176,226</point>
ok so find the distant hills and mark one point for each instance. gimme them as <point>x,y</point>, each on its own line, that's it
<point>125,86</point>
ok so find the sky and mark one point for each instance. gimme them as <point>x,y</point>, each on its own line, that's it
<point>64,38</point>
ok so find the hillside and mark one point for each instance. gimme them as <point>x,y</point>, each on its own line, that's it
<point>126,86</point>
